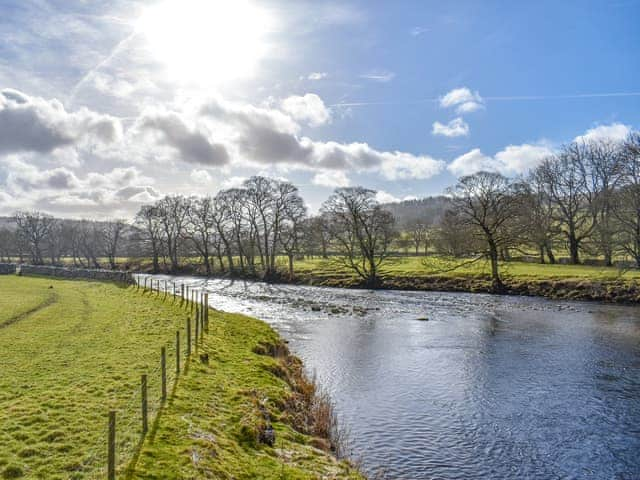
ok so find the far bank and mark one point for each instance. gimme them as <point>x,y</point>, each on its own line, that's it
<point>571,282</point>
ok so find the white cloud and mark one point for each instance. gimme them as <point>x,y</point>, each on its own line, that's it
<point>615,131</point>
<point>5,200</point>
<point>34,124</point>
<point>308,108</point>
<point>455,128</point>
<point>471,162</point>
<point>268,136</point>
<point>404,166</point>
<point>62,191</point>
<point>331,178</point>
<point>201,177</point>
<point>116,178</point>
<point>417,31</point>
<point>463,99</point>
<point>193,145</point>
<point>233,182</point>
<point>385,197</point>
<point>513,159</point>
<point>521,158</point>
<point>317,75</point>
<point>382,76</point>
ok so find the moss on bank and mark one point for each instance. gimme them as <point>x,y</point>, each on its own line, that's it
<point>69,359</point>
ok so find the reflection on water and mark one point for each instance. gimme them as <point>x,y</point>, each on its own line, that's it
<point>487,387</point>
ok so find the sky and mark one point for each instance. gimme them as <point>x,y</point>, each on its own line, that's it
<point>105,106</point>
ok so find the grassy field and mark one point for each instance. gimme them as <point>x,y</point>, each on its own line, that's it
<point>429,266</point>
<point>422,267</point>
<point>73,350</point>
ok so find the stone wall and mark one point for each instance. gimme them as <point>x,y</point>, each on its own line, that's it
<point>7,268</point>
<point>64,272</point>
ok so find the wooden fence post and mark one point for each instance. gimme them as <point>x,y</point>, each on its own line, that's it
<point>206,312</point>
<point>145,411</point>
<point>188,336</point>
<point>197,331</point>
<point>163,371</point>
<point>181,293</point>
<point>111,447</point>
<point>202,309</point>
<point>177,354</point>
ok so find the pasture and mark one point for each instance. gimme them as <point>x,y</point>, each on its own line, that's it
<point>71,351</point>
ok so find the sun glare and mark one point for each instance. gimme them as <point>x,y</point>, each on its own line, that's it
<point>204,41</point>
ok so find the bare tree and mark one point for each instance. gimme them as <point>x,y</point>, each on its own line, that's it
<point>8,242</point>
<point>200,228</point>
<point>361,229</point>
<point>91,242</point>
<point>34,227</point>
<point>538,221</point>
<point>231,223</point>
<point>486,202</point>
<point>626,206</point>
<point>222,219</point>
<point>603,172</point>
<point>148,221</point>
<point>564,180</point>
<point>55,242</point>
<point>419,234</point>
<point>452,237</point>
<point>173,213</point>
<point>317,236</point>
<point>269,201</point>
<point>292,229</point>
<point>112,236</point>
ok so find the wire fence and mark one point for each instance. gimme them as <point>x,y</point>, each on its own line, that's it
<point>126,426</point>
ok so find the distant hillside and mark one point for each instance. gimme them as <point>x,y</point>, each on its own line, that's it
<point>426,210</point>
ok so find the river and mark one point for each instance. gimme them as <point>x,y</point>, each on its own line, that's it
<point>487,387</point>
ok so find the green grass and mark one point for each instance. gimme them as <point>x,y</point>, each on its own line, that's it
<point>77,350</point>
<point>430,266</point>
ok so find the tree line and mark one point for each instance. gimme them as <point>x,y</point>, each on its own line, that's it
<point>584,199</point>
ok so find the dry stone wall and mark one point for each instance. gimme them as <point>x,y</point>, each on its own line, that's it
<point>65,272</point>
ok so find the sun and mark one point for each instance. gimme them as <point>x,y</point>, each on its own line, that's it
<point>206,41</point>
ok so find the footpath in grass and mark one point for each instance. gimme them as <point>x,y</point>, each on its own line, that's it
<point>75,350</point>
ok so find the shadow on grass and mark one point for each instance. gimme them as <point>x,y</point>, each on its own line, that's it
<point>151,434</point>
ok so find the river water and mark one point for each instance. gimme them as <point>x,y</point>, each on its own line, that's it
<point>488,387</point>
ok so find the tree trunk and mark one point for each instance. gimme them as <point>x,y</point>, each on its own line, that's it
<point>542,254</point>
<point>290,266</point>
<point>156,262</point>
<point>496,283</point>
<point>207,265</point>
<point>574,246</point>
<point>550,255</point>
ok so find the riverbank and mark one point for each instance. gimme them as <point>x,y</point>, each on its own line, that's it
<point>571,282</point>
<point>73,350</point>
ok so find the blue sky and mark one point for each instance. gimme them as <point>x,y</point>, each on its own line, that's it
<point>108,105</point>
